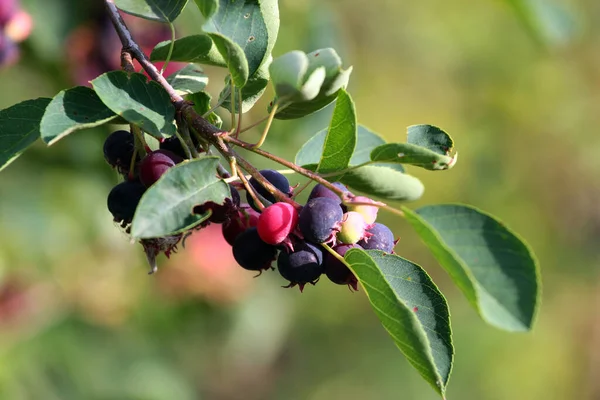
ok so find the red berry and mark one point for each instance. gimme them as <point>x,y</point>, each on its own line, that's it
<point>155,164</point>
<point>276,222</point>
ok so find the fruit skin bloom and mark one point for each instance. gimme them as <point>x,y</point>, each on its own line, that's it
<point>320,219</point>
<point>276,222</point>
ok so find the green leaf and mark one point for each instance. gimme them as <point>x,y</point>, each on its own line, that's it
<point>412,310</point>
<point>234,58</point>
<point>428,147</point>
<point>490,264</point>
<point>201,102</point>
<point>155,10</point>
<point>366,141</point>
<point>302,109</point>
<point>251,92</point>
<point>166,207</point>
<point>196,48</point>
<point>189,79</point>
<point>340,141</point>
<point>140,102</point>
<point>19,128</point>
<point>291,81</point>
<point>243,23</point>
<point>71,110</point>
<point>207,7</point>
<point>384,182</point>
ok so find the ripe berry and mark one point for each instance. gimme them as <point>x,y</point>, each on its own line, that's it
<point>221,212</point>
<point>353,228</point>
<point>336,271</point>
<point>245,218</point>
<point>276,179</point>
<point>174,145</point>
<point>118,150</point>
<point>320,219</point>
<point>321,191</point>
<point>382,239</point>
<point>369,213</point>
<point>155,164</point>
<point>303,265</point>
<point>123,200</point>
<point>276,222</point>
<point>252,253</point>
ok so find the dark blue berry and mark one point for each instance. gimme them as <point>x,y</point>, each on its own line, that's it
<point>321,191</point>
<point>303,265</point>
<point>320,219</point>
<point>123,200</point>
<point>251,252</point>
<point>276,179</point>
<point>118,150</point>
<point>336,271</point>
<point>382,239</point>
<point>173,144</point>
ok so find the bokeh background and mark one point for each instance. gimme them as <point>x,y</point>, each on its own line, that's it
<point>517,84</point>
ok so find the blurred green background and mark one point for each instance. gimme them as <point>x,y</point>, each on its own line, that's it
<point>516,84</point>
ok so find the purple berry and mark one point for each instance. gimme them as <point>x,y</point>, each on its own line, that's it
<point>276,179</point>
<point>321,191</point>
<point>320,219</point>
<point>174,145</point>
<point>336,271</point>
<point>155,164</point>
<point>245,218</point>
<point>303,265</point>
<point>252,253</point>
<point>118,150</point>
<point>123,200</point>
<point>382,239</point>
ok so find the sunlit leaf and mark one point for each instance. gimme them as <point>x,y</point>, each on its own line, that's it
<point>155,10</point>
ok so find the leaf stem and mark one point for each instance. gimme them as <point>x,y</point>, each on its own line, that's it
<point>171,47</point>
<point>249,188</point>
<point>232,106</point>
<point>263,137</point>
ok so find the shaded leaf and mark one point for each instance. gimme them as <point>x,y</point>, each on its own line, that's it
<point>384,182</point>
<point>140,102</point>
<point>430,137</point>
<point>340,141</point>
<point>251,92</point>
<point>19,128</point>
<point>412,310</point>
<point>201,102</point>
<point>71,110</point>
<point>490,264</point>
<point>166,207</point>
<point>234,58</point>
<point>196,48</point>
<point>207,7</point>
<point>189,79</point>
<point>155,10</point>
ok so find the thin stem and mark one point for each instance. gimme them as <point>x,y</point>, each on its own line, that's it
<point>232,105</point>
<point>140,142</point>
<point>290,165</point>
<point>171,46</point>
<point>249,189</point>
<point>239,124</point>
<point>297,192</point>
<point>263,137</point>
<point>188,152</point>
<point>132,163</point>
<point>336,255</point>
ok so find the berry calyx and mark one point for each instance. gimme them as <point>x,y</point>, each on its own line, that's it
<point>276,222</point>
<point>382,238</point>
<point>353,228</point>
<point>252,253</point>
<point>320,219</point>
<point>155,164</point>
<point>369,213</point>
<point>123,200</point>
<point>337,271</point>
<point>118,150</point>
<point>276,179</point>
<point>245,218</point>
<point>221,212</point>
<point>303,265</point>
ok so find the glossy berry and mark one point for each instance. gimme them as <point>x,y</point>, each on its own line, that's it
<point>174,145</point>
<point>155,164</point>
<point>252,253</point>
<point>336,271</point>
<point>276,179</point>
<point>244,218</point>
<point>118,150</point>
<point>321,191</point>
<point>353,228</point>
<point>320,219</point>
<point>369,213</point>
<point>123,200</point>
<point>276,222</point>
<point>221,212</point>
<point>303,265</point>
<point>382,239</point>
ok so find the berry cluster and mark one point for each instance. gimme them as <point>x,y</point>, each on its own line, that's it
<point>293,235</point>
